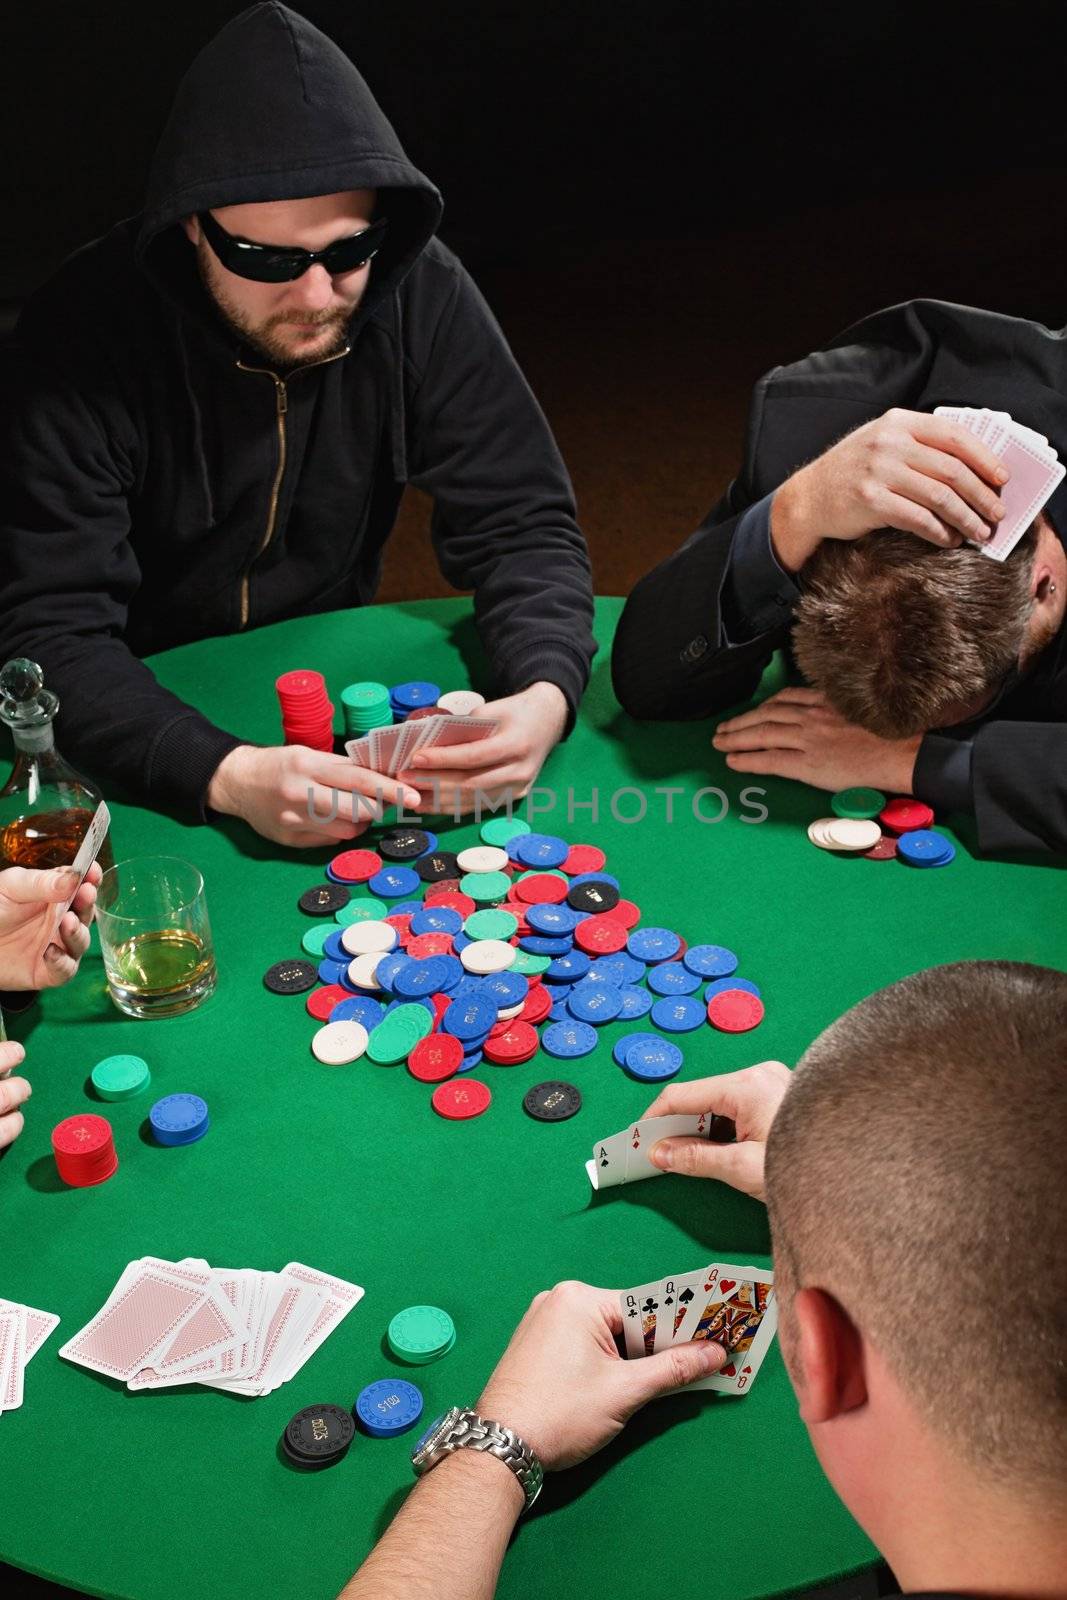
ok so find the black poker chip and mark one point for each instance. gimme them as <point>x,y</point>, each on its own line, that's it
<point>437,866</point>
<point>402,844</point>
<point>318,1436</point>
<point>324,899</point>
<point>594,895</point>
<point>553,1101</point>
<point>291,977</point>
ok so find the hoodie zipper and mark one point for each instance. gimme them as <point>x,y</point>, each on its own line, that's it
<point>281,408</point>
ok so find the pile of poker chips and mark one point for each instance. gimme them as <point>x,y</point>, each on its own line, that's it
<point>519,945</point>
<point>365,706</point>
<point>420,1334</point>
<point>120,1077</point>
<point>179,1119</point>
<point>84,1148</point>
<point>307,714</point>
<point>317,1437</point>
<point>866,823</point>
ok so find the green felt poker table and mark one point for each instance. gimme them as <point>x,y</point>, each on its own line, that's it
<point>160,1494</point>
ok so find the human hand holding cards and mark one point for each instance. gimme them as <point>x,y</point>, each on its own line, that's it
<point>1035,469</point>
<point>390,750</point>
<point>734,1307</point>
<point>624,1157</point>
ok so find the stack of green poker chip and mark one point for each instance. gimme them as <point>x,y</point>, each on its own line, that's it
<point>485,888</point>
<point>394,1038</point>
<point>498,830</point>
<point>421,1334</point>
<point>120,1077</point>
<point>366,706</point>
<point>860,804</point>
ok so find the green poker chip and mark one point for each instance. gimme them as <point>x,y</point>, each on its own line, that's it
<point>490,925</point>
<point>498,830</point>
<point>420,1334</point>
<point>315,938</point>
<point>529,965</point>
<point>120,1077</point>
<point>860,804</point>
<point>361,911</point>
<point>485,888</point>
<point>393,1039</point>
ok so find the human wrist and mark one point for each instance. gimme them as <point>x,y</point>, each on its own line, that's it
<point>484,1475</point>
<point>224,789</point>
<point>791,537</point>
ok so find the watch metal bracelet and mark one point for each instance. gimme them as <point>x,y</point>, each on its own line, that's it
<point>461,1429</point>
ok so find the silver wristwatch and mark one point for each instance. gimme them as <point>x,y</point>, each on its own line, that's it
<point>459,1429</point>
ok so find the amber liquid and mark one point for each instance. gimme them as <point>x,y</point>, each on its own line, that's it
<point>159,974</point>
<point>49,839</point>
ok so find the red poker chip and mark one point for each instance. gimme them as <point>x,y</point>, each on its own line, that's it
<point>436,1057</point>
<point>601,935</point>
<point>537,1005</point>
<point>320,1002</point>
<point>84,1150</point>
<point>322,718</point>
<point>460,1099</point>
<point>735,1011</point>
<point>440,1003</point>
<point>625,912</point>
<point>401,921</point>
<point>517,1043</point>
<point>440,895</point>
<point>302,681</point>
<point>680,952</point>
<point>542,889</point>
<point>584,858</point>
<point>884,850</point>
<point>426,711</point>
<point>356,866</point>
<point>428,944</point>
<point>905,815</point>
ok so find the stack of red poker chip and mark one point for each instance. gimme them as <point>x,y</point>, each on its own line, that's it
<point>84,1150</point>
<point>307,714</point>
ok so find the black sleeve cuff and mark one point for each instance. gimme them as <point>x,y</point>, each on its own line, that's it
<point>758,595</point>
<point>550,662</point>
<point>182,764</point>
<point>943,773</point>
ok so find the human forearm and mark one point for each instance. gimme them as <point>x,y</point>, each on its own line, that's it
<point>448,1540</point>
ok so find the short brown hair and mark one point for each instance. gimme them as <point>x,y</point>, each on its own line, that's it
<point>917,1171</point>
<point>900,635</point>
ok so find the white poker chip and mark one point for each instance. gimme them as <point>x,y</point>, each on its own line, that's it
<point>817,832</point>
<point>363,971</point>
<point>359,938</point>
<point>461,702</point>
<point>487,955</point>
<point>852,833</point>
<point>338,1043</point>
<point>482,858</point>
<point>510,1011</point>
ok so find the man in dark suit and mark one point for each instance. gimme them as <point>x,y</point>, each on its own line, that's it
<point>930,669</point>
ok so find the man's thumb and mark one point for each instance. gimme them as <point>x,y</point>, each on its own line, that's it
<point>673,1369</point>
<point>35,885</point>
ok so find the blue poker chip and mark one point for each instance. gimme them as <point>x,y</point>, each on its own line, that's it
<point>552,921</point>
<point>539,944</point>
<point>393,883</point>
<point>512,848</point>
<point>561,1011</point>
<point>333,971</point>
<point>651,945</point>
<point>652,1060</point>
<point>421,977</point>
<point>620,1047</point>
<point>360,1008</point>
<point>593,877</point>
<point>179,1119</point>
<point>679,1013</point>
<point>460,941</point>
<point>719,984</point>
<point>635,1003</point>
<point>436,919</point>
<point>569,1039</point>
<point>541,850</point>
<point>470,1018</point>
<point>621,970</point>
<point>470,1059</point>
<point>431,844</point>
<point>710,960</point>
<point>594,1002</point>
<point>569,968</point>
<point>506,988</point>
<point>406,908</point>
<point>468,985</point>
<point>671,977</point>
<point>452,973</point>
<point>412,696</point>
<point>333,949</point>
<point>925,847</point>
<point>390,967</point>
<point>422,1000</point>
<point>387,1408</point>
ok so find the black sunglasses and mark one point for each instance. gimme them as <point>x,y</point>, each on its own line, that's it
<point>268,263</point>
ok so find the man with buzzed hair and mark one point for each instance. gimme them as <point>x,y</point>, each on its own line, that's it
<point>913,1168</point>
<point>929,669</point>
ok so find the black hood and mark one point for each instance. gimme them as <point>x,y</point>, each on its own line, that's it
<point>271,109</point>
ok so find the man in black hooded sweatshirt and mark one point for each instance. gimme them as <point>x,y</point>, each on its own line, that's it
<point>216,408</point>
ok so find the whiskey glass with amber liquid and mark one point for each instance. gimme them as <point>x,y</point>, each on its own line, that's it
<point>155,936</point>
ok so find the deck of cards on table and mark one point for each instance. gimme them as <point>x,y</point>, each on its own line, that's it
<point>389,750</point>
<point>22,1333</point>
<point>728,1305</point>
<point>1035,470</point>
<point>167,1323</point>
